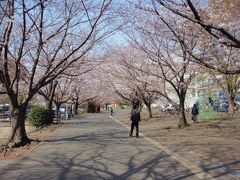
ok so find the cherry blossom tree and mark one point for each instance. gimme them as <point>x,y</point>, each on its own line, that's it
<point>48,92</point>
<point>83,91</point>
<point>230,85</point>
<point>63,93</point>
<point>118,77</point>
<point>164,42</point>
<point>73,75</point>
<point>126,79</point>
<point>37,45</point>
<point>218,28</point>
<point>78,89</point>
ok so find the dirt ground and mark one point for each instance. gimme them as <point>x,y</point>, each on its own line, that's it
<point>212,141</point>
<point>36,134</point>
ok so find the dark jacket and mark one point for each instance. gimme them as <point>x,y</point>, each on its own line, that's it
<point>135,115</point>
<point>195,110</point>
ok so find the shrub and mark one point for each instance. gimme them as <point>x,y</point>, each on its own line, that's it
<point>38,116</point>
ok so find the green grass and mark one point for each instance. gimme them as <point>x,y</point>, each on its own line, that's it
<point>211,115</point>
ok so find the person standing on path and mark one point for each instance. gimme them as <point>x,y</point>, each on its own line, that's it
<point>195,112</point>
<point>111,110</point>
<point>135,118</point>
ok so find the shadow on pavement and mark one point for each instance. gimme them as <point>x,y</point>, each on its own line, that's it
<point>102,153</point>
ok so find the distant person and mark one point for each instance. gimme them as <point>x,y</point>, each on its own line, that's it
<point>211,102</point>
<point>69,113</point>
<point>195,112</point>
<point>98,109</point>
<point>135,118</point>
<point>225,107</point>
<point>111,110</point>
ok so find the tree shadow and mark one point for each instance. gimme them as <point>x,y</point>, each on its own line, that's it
<point>104,154</point>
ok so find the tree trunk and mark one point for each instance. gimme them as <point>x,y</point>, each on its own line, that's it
<point>57,109</point>
<point>50,112</point>
<point>91,107</point>
<point>18,135</point>
<point>149,110</point>
<point>76,108</point>
<point>231,105</point>
<point>182,118</point>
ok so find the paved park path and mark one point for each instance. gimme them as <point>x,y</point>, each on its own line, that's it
<point>98,147</point>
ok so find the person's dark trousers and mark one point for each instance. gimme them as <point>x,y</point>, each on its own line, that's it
<point>194,118</point>
<point>134,124</point>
